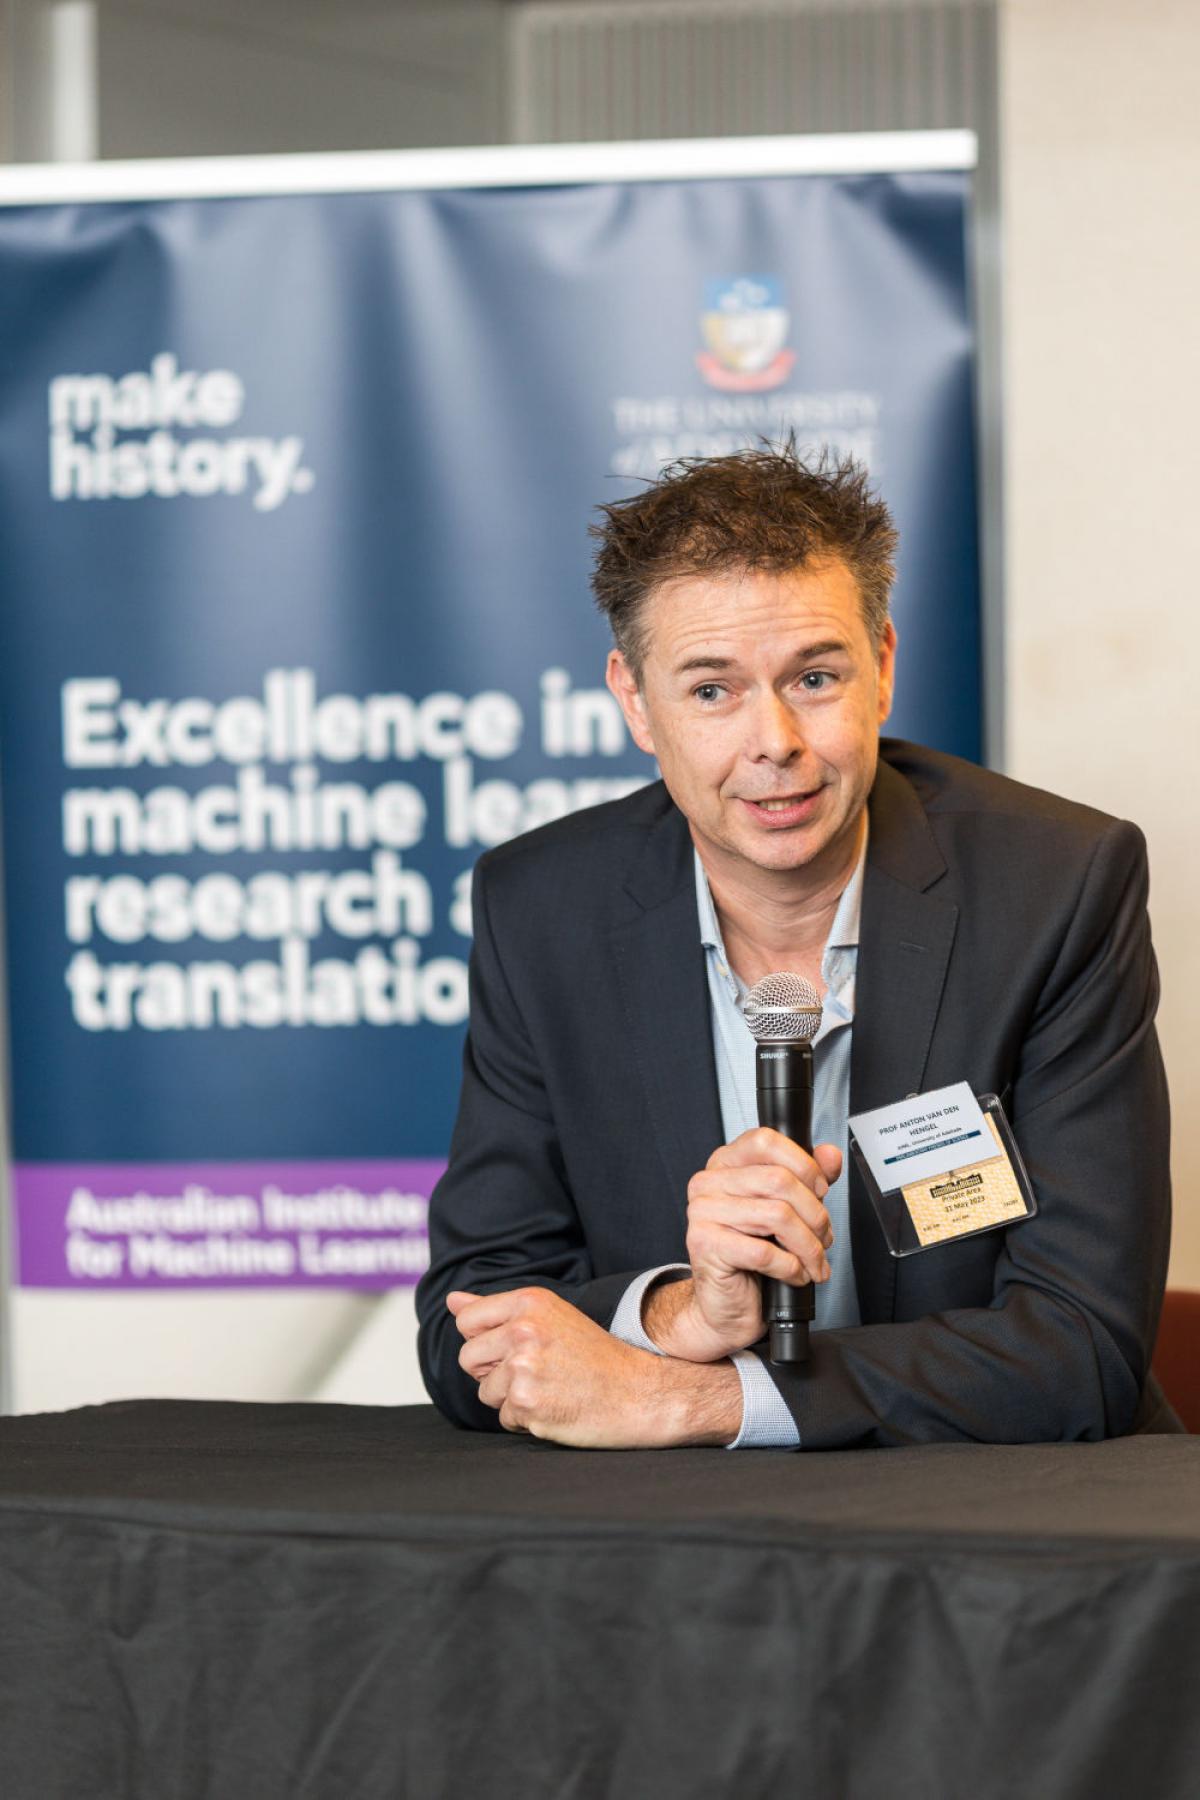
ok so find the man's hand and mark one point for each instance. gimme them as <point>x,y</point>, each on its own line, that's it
<point>754,1210</point>
<point>551,1371</point>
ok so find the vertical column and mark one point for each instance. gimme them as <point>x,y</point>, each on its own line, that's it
<point>53,86</point>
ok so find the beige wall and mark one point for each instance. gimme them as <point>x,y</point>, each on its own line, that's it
<point>1101,173</point>
<point>82,1349</point>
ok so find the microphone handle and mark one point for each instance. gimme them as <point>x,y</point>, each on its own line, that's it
<point>785,1078</point>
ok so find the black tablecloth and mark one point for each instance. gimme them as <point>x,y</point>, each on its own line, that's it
<point>244,1602</point>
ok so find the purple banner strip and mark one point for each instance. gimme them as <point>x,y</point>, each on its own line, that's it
<point>338,1224</point>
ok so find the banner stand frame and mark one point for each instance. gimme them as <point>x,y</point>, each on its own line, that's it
<point>885,152</point>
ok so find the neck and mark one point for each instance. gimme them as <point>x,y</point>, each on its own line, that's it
<point>771,920</point>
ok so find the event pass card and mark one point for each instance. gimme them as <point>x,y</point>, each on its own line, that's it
<point>940,1165</point>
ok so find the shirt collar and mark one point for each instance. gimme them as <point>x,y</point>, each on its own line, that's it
<point>843,933</point>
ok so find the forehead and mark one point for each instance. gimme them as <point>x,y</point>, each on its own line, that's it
<point>723,611</point>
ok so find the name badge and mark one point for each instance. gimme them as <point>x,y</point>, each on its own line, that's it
<point>940,1165</point>
<point>925,1135</point>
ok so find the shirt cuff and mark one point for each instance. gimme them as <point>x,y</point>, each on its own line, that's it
<point>627,1320</point>
<point>766,1422</point>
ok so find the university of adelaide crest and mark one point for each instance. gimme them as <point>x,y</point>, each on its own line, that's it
<point>745,325</point>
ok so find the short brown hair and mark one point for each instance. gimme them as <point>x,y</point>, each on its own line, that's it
<point>757,509</point>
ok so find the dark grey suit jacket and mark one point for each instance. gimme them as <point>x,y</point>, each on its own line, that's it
<point>1004,942</point>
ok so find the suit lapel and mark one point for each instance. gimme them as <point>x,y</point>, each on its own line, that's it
<point>664,991</point>
<point>904,951</point>
<point>905,942</point>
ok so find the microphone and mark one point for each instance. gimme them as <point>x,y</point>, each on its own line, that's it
<point>784,1015</point>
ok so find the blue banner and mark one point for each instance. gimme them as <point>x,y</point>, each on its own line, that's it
<point>296,621</point>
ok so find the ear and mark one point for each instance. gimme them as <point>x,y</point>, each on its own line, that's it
<point>623,686</point>
<point>886,670</point>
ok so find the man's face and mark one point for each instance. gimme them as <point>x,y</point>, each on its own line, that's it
<point>761,697</point>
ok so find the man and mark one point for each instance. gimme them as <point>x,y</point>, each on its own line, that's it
<point>610,1204</point>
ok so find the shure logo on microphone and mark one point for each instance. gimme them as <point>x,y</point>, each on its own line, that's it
<point>90,459</point>
<point>772,1055</point>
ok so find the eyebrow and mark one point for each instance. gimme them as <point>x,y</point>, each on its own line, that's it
<point>829,647</point>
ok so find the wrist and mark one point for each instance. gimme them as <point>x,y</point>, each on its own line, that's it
<point>698,1403</point>
<point>674,1324</point>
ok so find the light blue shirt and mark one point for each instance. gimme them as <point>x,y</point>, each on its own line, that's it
<point>766,1421</point>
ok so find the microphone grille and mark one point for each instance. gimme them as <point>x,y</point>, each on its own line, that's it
<point>782,1009</point>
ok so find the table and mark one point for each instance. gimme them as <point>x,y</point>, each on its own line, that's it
<point>240,1602</point>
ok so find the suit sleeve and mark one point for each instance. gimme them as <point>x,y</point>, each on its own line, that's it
<point>1062,1350</point>
<point>502,1216</point>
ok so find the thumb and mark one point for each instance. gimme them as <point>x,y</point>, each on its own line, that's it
<point>828,1159</point>
<point>457,1300</point>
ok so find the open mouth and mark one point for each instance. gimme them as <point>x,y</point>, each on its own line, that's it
<point>788,809</point>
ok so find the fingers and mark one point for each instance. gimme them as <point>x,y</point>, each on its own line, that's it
<point>484,1351</point>
<point>765,1161</point>
<point>764,1256</point>
<point>771,1195</point>
<point>771,1182</point>
<point>761,1215</point>
<point>763,1147</point>
<point>493,1389</point>
<point>760,1187</point>
<point>509,1388</point>
<point>497,1391</point>
<point>746,1234</point>
<point>474,1313</point>
<point>497,1327</point>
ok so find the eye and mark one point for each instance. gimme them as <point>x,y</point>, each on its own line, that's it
<point>708,692</point>
<point>814,681</point>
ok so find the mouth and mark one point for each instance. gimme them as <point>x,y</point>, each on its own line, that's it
<point>778,814</point>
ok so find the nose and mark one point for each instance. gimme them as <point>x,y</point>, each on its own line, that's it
<point>775,731</point>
